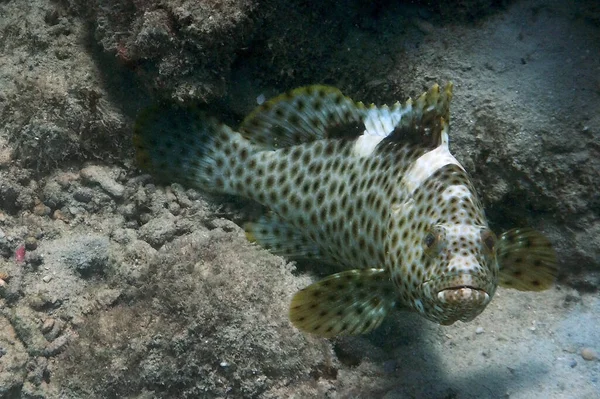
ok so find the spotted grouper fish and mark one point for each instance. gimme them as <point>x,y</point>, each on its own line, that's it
<point>372,190</point>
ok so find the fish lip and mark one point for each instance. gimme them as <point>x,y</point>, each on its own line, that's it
<point>477,294</point>
<point>458,287</point>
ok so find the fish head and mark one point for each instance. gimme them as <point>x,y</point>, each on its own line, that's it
<point>461,272</point>
<point>447,271</point>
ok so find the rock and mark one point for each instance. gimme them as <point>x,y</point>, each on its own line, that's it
<point>84,195</point>
<point>41,210</point>
<point>159,230</point>
<point>589,354</point>
<point>102,176</point>
<point>48,324</point>
<point>30,243</point>
<point>13,358</point>
<point>87,254</point>
<point>23,320</point>
<point>57,346</point>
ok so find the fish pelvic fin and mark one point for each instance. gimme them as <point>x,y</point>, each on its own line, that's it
<point>347,303</point>
<point>527,260</point>
<point>177,143</point>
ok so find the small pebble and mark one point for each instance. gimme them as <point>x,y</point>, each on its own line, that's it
<point>174,208</point>
<point>589,354</point>
<point>573,363</point>
<point>47,278</point>
<point>479,330</point>
<point>41,209</point>
<point>30,243</point>
<point>224,364</point>
<point>83,195</point>
<point>48,324</point>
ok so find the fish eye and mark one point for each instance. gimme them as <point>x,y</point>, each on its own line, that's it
<point>489,239</point>
<point>430,239</point>
<point>434,241</point>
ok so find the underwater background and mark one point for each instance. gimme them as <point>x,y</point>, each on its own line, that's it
<point>113,284</point>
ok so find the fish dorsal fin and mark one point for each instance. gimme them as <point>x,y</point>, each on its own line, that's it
<point>304,115</point>
<point>320,112</point>
<point>425,121</point>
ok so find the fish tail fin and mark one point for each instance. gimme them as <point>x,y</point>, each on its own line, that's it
<point>527,260</point>
<point>181,144</point>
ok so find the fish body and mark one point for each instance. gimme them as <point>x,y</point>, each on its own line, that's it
<point>373,190</point>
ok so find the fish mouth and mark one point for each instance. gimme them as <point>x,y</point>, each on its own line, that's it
<point>458,287</point>
<point>464,294</point>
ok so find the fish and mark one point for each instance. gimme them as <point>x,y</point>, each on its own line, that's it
<point>372,190</point>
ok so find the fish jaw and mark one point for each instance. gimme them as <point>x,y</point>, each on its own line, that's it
<point>469,302</point>
<point>457,298</point>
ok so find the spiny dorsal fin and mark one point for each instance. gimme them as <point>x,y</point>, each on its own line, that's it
<point>527,260</point>
<point>426,120</point>
<point>319,112</point>
<point>303,115</point>
<point>347,303</point>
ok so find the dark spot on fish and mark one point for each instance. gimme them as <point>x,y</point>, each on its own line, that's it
<point>269,182</point>
<point>329,149</point>
<point>318,105</point>
<point>314,219</point>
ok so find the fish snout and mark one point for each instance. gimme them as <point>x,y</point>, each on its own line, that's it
<point>464,289</point>
<point>463,298</point>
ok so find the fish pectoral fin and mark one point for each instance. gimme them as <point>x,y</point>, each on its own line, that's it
<point>347,303</point>
<point>281,238</point>
<point>527,260</point>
